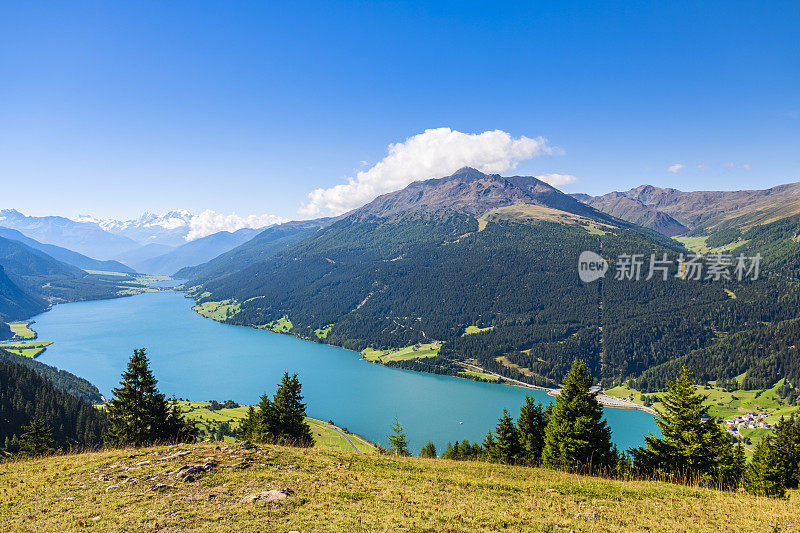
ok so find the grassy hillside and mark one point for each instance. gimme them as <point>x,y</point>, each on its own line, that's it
<point>325,434</point>
<point>145,489</point>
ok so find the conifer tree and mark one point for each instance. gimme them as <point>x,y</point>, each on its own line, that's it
<point>764,475</point>
<point>285,418</point>
<point>576,436</point>
<point>689,449</point>
<point>249,428</point>
<point>448,451</point>
<point>531,424</point>
<point>428,451</point>
<point>787,447</point>
<point>139,414</point>
<point>37,438</point>
<point>398,444</point>
<point>281,419</point>
<point>505,447</point>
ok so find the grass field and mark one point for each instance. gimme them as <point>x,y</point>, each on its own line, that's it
<point>282,325</point>
<point>401,354</point>
<point>469,330</point>
<point>26,349</point>
<point>324,434</point>
<point>332,490</point>
<point>480,375</point>
<point>699,245</point>
<point>723,404</point>
<point>22,330</point>
<point>322,333</point>
<point>527,213</point>
<point>219,311</point>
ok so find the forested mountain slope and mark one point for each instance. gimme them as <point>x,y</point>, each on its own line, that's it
<point>195,252</point>
<point>61,379</point>
<point>83,237</point>
<point>65,255</point>
<point>425,263</point>
<point>15,303</point>
<point>25,395</point>
<point>32,277</point>
<point>262,246</point>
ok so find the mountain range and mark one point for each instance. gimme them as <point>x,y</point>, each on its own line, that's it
<point>500,253</point>
<point>83,237</point>
<point>194,252</point>
<point>168,229</point>
<point>67,256</point>
<point>673,212</point>
<point>445,257</point>
<point>155,244</point>
<point>31,280</point>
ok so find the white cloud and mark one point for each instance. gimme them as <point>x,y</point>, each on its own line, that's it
<point>209,222</point>
<point>432,154</point>
<point>729,165</point>
<point>558,179</point>
<point>746,166</point>
<point>675,168</point>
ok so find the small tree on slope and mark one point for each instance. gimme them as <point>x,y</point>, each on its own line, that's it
<point>398,444</point>
<point>531,423</point>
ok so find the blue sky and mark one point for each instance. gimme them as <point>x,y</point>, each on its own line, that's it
<point>112,109</point>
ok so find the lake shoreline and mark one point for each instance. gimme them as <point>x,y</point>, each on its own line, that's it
<point>604,399</point>
<point>207,359</point>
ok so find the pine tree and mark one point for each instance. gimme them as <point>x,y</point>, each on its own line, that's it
<point>398,444</point>
<point>787,446</point>
<point>139,414</point>
<point>576,436</point>
<point>506,447</point>
<point>14,444</point>
<point>531,425</point>
<point>37,438</point>
<point>250,425</point>
<point>428,451</point>
<point>689,449</point>
<point>764,475</point>
<point>280,420</point>
<point>448,451</point>
<point>488,445</point>
<point>287,418</point>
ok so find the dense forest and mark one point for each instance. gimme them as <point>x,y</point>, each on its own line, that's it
<point>61,379</point>
<point>262,246</point>
<point>27,396</point>
<point>765,354</point>
<point>392,282</point>
<point>30,280</point>
<point>778,243</point>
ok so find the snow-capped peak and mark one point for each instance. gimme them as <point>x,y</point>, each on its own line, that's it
<point>179,225</point>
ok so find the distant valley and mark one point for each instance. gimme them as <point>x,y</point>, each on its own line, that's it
<point>479,269</point>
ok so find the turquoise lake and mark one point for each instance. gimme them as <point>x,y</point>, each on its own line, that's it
<point>199,359</point>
